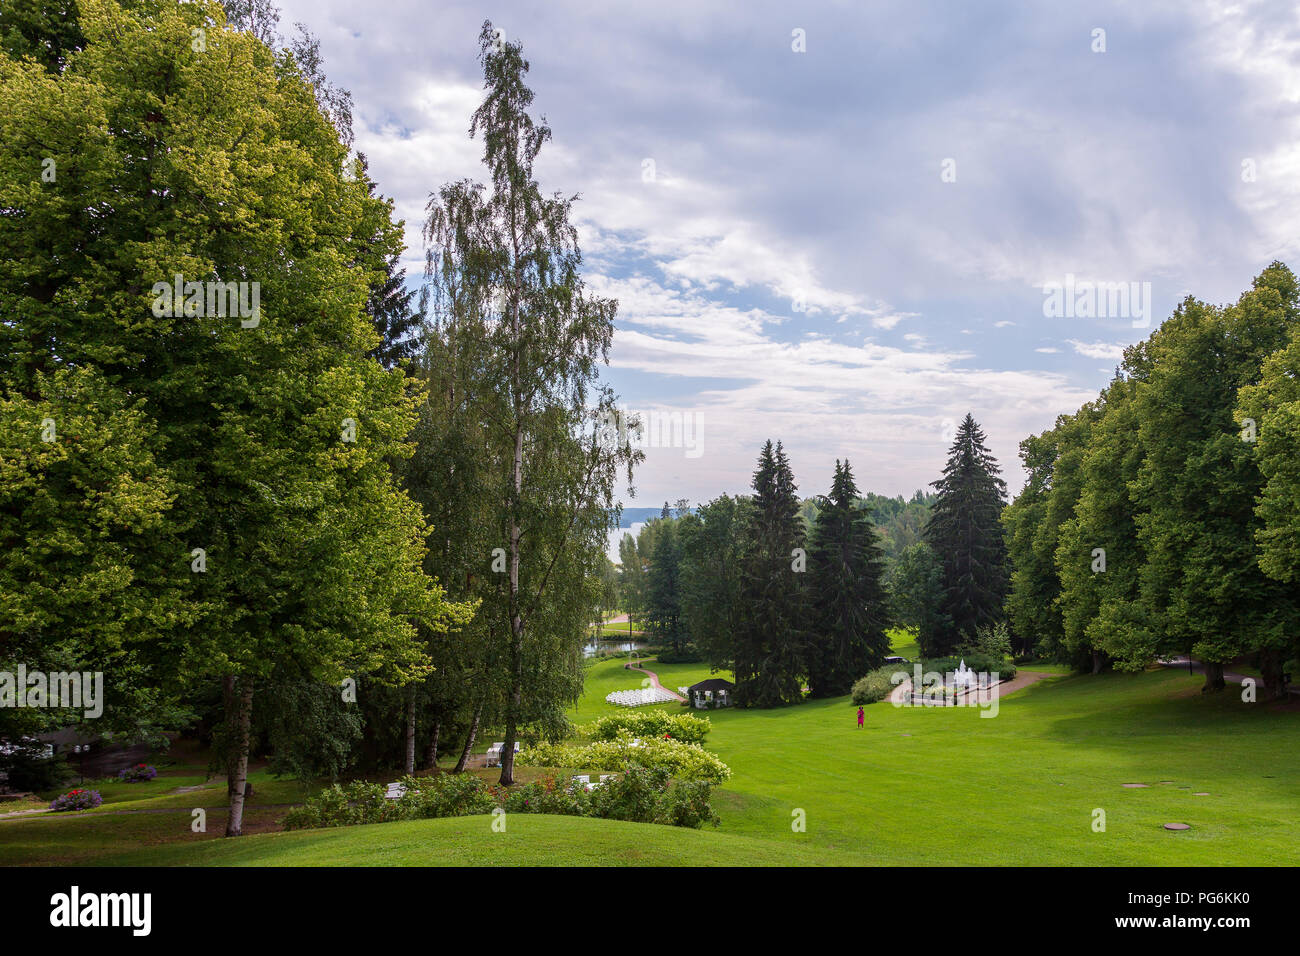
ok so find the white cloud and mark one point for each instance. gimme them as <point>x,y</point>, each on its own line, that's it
<point>773,182</point>
<point>1098,350</point>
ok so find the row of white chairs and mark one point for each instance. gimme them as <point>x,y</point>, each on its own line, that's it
<point>640,697</point>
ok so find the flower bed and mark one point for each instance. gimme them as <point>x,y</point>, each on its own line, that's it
<point>76,800</point>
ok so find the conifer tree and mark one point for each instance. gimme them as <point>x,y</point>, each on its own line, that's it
<point>846,596</point>
<point>664,612</point>
<point>769,658</point>
<point>965,532</point>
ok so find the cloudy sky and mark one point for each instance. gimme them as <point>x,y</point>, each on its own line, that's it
<point>847,246</point>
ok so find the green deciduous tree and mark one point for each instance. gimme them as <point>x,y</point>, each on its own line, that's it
<point>713,557</point>
<point>916,597</point>
<point>213,161</point>
<point>509,258</point>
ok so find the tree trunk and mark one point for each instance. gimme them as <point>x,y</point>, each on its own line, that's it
<point>1270,668</point>
<point>469,739</point>
<point>409,764</point>
<point>1213,676</point>
<point>516,621</point>
<point>1096,661</point>
<point>242,722</point>
<point>231,706</point>
<point>431,754</point>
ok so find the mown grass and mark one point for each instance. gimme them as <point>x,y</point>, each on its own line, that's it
<point>914,786</point>
<point>903,643</point>
<point>528,840</point>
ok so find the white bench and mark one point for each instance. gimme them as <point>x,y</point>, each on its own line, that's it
<point>494,752</point>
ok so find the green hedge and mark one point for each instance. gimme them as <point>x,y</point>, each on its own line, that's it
<point>877,685</point>
<point>651,723</point>
<point>685,761</point>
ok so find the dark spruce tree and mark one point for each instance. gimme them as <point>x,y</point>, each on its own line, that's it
<point>664,598</point>
<point>965,532</point>
<point>845,592</point>
<point>391,305</point>
<point>769,660</point>
<point>396,322</point>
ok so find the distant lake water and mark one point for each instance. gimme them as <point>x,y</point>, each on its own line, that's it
<point>616,536</point>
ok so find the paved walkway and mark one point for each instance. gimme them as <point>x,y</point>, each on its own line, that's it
<point>144,810</point>
<point>654,682</point>
<point>1228,676</point>
<point>1022,680</point>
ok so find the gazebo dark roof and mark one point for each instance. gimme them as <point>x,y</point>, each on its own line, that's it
<point>713,683</point>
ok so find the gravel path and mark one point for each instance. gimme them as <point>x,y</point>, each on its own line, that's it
<point>654,682</point>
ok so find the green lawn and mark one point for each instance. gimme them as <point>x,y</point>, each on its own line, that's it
<point>903,643</point>
<point>607,676</point>
<point>924,786</point>
<point>470,841</point>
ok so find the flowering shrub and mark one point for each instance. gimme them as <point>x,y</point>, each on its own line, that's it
<point>545,796</point>
<point>686,804</point>
<point>645,796</point>
<point>877,685</point>
<point>444,795</point>
<point>634,796</point>
<point>684,761</point>
<point>137,774</point>
<point>76,800</point>
<point>639,795</point>
<point>651,723</point>
<point>358,802</point>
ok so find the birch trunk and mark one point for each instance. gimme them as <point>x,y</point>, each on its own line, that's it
<point>469,740</point>
<point>431,754</point>
<point>409,765</point>
<point>242,722</point>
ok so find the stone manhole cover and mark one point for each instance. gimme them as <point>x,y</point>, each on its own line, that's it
<point>1177,826</point>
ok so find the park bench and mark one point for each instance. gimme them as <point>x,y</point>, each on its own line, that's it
<point>494,752</point>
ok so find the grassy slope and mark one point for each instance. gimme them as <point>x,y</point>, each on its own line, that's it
<point>1021,788</point>
<point>1017,789</point>
<point>470,841</point>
